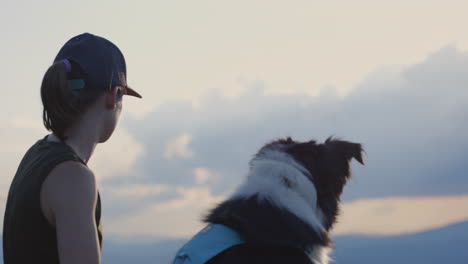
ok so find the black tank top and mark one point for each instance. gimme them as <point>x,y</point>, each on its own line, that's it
<point>27,235</point>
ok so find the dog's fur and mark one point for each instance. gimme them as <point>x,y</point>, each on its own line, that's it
<point>290,198</point>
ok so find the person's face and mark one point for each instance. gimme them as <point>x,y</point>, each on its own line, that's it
<point>113,108</point>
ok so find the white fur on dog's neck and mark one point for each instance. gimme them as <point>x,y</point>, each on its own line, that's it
<point>266,179</point>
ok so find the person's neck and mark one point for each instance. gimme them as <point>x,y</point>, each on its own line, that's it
<point>82,144</point>
<point>82,138</point>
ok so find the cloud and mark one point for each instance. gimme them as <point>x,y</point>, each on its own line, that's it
<point>180,217</point>
<point>175,218</point>
<point>178,147</point>
<point>18,129</point>
<point>205,175</point>
<point>410,120</point>
<point>116,158</point>
<point>401,215</point>
<point>138,190</point>
<point>139,109</point>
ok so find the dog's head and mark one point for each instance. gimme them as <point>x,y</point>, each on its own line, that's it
<point>326,165</point>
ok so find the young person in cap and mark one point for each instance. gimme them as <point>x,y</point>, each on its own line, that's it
<point>53,210</point>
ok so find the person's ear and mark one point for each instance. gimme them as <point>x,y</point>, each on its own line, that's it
<point>111,98</point>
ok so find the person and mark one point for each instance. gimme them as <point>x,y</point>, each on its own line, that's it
<point>53,211</point>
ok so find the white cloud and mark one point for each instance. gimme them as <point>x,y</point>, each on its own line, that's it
<point>181,217</point>
<point>176,218</point>
<point>205,175</point>
<point>18,130</point>
<point>139,109</point>
<point>400,215</point>
<point>137,190</point>
<point>409,120</point>
<point>26,122</point>
<point>117,156</point>
<point>178,147</point>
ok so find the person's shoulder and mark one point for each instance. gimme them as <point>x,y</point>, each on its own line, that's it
<point>71,181</point>
<point>72,172</point>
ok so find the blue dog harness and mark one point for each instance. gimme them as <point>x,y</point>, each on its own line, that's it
<point>211,241</point>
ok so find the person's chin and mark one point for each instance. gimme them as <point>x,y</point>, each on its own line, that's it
<point>105,137</point>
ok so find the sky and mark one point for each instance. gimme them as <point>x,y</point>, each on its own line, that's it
<point>221,78</point>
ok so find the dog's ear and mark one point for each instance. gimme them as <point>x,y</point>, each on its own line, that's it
<point>348,149</point>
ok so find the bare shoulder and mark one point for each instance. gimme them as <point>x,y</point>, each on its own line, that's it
<point>68,185</point>
<point>72,172</point>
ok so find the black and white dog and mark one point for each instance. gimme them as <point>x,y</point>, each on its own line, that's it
<point>287,205</point>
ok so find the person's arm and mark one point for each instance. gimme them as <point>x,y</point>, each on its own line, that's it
<point>70,194</point>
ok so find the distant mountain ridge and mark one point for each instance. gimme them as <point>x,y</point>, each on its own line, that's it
<point>445,245</point>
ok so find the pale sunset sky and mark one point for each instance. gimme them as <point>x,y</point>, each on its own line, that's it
<point>221,78</point>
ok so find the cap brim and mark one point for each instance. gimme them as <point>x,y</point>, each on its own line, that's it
<point>131,92</point>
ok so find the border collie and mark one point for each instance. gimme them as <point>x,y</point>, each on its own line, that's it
<point>288,203</point>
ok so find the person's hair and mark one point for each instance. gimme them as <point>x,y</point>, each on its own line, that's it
<point>62,105</point>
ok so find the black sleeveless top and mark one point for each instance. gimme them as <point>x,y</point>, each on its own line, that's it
<point>27,235</point>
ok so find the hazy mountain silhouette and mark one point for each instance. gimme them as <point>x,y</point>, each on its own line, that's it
<point>444,245</point>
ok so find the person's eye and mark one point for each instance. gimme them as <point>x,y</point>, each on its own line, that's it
<point>120,92</point>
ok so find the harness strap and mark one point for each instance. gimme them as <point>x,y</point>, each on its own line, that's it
<point>209,242</point>
<point>214,239</point>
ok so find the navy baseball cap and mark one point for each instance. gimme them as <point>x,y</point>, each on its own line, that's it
<point>102,64</point>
